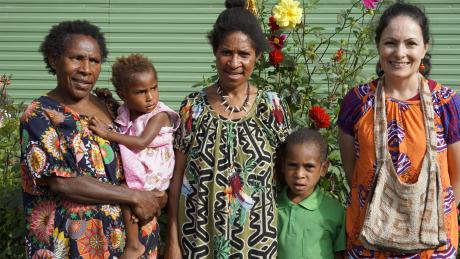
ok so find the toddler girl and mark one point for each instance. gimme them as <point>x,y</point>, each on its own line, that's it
<point>147,127</point>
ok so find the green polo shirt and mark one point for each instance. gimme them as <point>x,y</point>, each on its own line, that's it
<point>314,228</point>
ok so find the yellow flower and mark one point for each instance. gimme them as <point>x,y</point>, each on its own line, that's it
<point>287,13</point>
<point>252,7</point>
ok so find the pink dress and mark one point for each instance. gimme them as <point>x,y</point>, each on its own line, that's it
<point>152,167</point>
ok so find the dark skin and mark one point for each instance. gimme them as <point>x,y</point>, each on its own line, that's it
<point>173,245</point>
<point>77,70</point>
<point>140,142</point>
<point>235,59</point>
<point>141,97</point>
<point>88,190</point>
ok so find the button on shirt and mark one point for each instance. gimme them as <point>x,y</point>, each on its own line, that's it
<point>314,228</point>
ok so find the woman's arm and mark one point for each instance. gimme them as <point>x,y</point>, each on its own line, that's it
<point>140,142</point>
<point>88,190</point>
<point>173,249</point>
<point>453,160</point>
<point>347,153</point>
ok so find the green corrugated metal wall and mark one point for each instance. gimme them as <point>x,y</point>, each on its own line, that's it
<point>173,34</point>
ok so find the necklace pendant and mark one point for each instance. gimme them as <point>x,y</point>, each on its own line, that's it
<point>225,100</point>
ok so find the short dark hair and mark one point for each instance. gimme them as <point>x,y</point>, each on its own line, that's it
<point>236,18</point>
<point>307,135</point>
<point>54,43</point>
<point>414,12</point>
<point>125,67</point>
<point>300,136</point>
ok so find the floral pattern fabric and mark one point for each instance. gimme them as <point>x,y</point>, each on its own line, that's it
<point>56,141</point>
<point>227,204</point>
<point>405,130</point>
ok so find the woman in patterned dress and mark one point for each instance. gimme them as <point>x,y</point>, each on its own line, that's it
<point>222,202</point>
<point>402,39</point>
<point>71,178</point>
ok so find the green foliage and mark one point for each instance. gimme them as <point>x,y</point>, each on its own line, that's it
<point>318,68</point>
<point>11,211</point>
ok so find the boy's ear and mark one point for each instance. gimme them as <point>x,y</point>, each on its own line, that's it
<point>324,167</point>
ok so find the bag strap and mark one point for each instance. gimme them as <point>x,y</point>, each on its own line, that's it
<point>381,124</point>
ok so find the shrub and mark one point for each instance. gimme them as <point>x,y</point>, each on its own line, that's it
<point>11,211</point>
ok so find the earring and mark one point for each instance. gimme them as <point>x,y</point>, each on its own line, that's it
<point>421,68</point>
<point>378,70</point>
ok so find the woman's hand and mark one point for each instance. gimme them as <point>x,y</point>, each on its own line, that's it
<point>98,127</point>
<point>148,205</point>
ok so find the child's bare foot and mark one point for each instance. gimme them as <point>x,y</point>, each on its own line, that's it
<point>133,251</point>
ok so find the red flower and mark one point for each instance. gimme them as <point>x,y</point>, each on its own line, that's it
<point>277,41</point>
<point>319,116</point>
<point>278,115</point>
<point>188,124</point>
<point>338,55</point>
<point>275,56</point>
<point>272,24</point>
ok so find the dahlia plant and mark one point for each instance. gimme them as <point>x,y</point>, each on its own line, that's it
<point>313,67</point>
<point>11,211</point>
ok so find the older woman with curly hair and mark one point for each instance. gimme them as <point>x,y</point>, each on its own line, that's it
<point>72,178</point>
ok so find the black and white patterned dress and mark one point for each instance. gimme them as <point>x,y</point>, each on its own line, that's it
<point>227,205</point>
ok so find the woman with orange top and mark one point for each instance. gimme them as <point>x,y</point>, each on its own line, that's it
<point>405,118</point>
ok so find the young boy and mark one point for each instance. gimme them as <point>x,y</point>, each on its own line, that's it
<point>310,223</point>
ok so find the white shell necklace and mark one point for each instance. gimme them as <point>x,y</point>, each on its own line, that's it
<point>225,98</point>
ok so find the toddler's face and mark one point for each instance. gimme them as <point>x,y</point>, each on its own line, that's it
<point>302,170</point>
<point>142,95</point>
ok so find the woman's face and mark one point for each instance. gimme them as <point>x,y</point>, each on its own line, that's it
<point>235,59</point>
<point>78,68</point>
<point>401,48</point>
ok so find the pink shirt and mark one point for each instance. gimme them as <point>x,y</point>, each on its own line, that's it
<point>152,167</point>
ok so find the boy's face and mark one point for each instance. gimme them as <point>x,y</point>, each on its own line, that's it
<point>302,170</point>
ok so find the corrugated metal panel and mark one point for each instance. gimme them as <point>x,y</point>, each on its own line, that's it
<point>173,34</point>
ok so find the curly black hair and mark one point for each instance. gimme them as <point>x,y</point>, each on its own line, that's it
<point>236,18</point>
<point>300,136</point>
<point>54,43</point>
<point>307,135</point>
<point>124,69</point>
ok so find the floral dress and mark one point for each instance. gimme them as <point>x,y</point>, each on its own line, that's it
<point>56,141</point>
<point>227,204</point>
<point>405,129</point>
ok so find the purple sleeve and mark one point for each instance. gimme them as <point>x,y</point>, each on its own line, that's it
<point>450,116</point>
<point>350,111</point>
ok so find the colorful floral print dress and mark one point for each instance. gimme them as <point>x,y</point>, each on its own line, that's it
<point>56,141</point>
<point>227,204</point>
<point>405,130</point>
